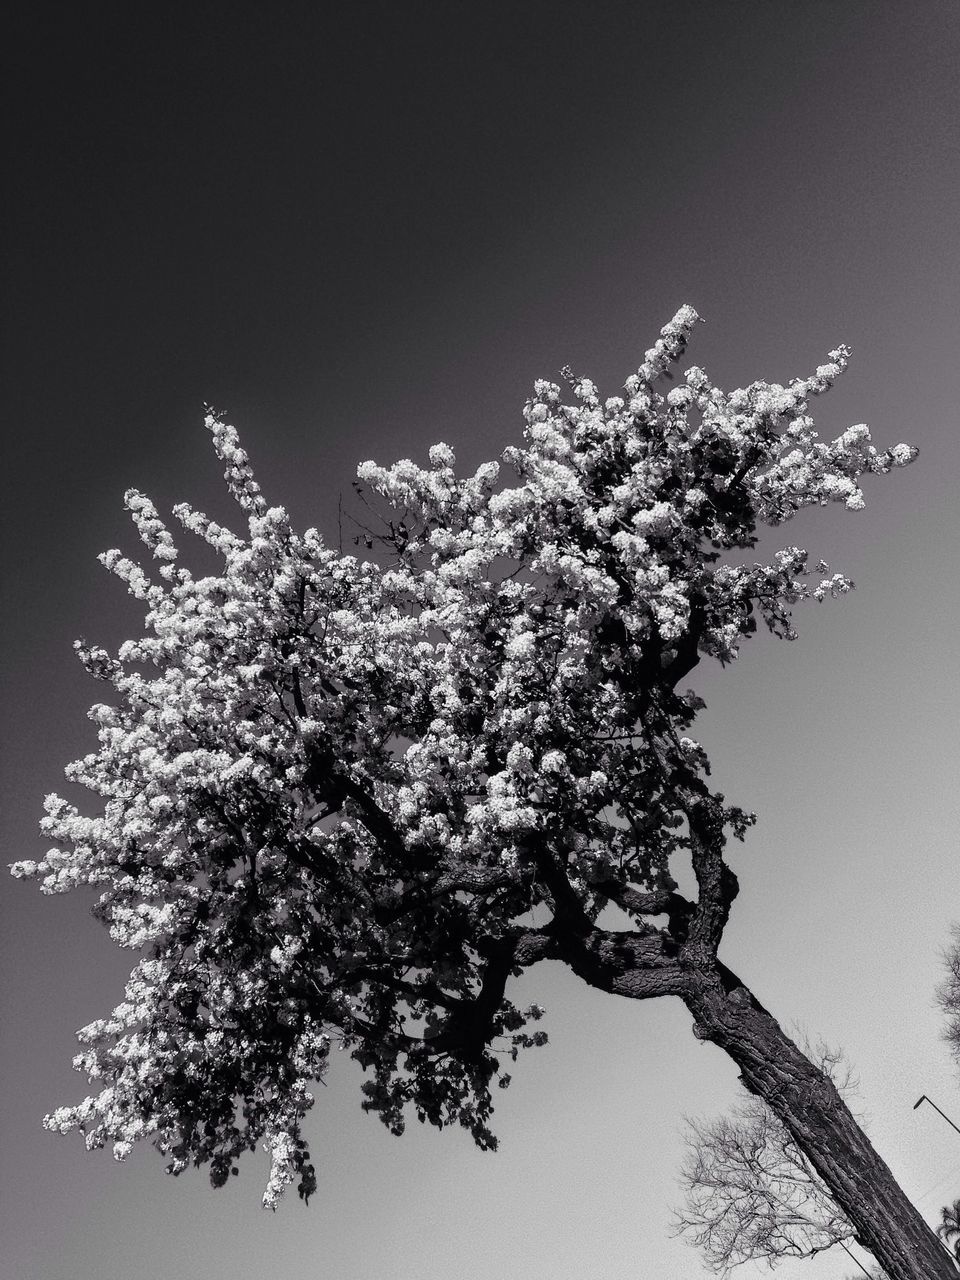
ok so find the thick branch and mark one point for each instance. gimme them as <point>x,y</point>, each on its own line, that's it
<point>568,911</point>
<point>657,902</point>
<point>687,650</point>
<point>330,784</point>
<point>639,965</point>
<point>375,820</point>
<point>717,886</point>
<point>456,879</point>
<point>470,1026</point>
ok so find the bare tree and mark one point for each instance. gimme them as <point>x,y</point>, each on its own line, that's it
<point>949,994</point>
<point>949,1228</point>
<point>751,1193</point>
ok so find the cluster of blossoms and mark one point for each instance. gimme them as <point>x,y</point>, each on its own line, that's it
<point>329,786</point>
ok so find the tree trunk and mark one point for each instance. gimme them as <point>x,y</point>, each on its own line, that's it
<point>809,1105</point>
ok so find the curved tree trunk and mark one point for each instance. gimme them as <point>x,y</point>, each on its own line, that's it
<point>809,1105</point>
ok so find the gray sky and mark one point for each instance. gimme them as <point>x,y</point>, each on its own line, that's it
<point>359,234</point>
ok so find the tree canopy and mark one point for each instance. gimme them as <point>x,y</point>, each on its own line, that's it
<point>335,788</point>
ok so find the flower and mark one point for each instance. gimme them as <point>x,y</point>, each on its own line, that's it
<point>310,756</point>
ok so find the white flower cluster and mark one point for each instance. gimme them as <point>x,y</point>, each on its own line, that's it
<point>324,781</point>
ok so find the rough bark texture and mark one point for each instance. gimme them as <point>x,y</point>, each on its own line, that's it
<point>808,1103</point>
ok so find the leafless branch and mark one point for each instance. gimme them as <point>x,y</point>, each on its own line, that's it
<point>751,1194</point>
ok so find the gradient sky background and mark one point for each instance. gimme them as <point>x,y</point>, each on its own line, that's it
<point>364,227</point>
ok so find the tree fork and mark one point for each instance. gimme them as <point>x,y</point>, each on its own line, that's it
<point>808,1103</point>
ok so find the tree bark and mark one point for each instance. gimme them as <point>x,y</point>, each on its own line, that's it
<point>809,1105</point>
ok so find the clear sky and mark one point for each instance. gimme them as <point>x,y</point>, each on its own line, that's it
<point>360,228</point>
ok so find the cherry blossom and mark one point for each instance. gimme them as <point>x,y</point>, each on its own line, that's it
<point>331,789</point>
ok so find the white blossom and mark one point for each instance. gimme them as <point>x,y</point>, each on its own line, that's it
<point>319,778</point>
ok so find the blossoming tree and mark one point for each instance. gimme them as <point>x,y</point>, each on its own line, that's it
<point>332,789</point>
